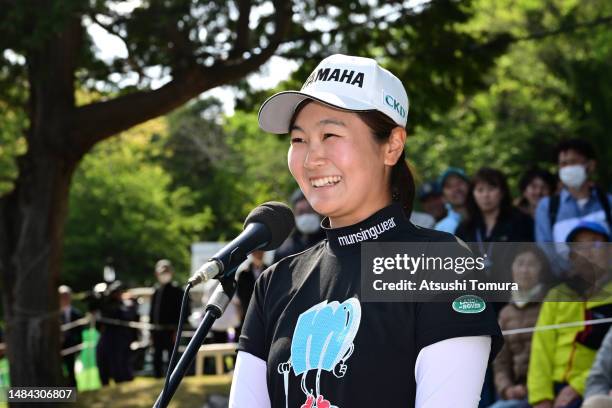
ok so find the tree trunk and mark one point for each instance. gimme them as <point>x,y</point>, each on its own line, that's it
<point>32,222</point>
<point>32,216</point>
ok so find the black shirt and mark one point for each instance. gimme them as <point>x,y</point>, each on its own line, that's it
<point>306,321</point>
<point>245,285</point>
<point>73,336</point>
<point>297,242</point>
<point>516,226</point>
<point>166,305</point>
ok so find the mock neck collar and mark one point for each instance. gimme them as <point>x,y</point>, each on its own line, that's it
<point>383,225</point>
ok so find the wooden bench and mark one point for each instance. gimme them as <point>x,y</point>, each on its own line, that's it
<point>216,351</point>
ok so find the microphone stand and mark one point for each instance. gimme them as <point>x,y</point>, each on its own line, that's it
<point>214,309</point>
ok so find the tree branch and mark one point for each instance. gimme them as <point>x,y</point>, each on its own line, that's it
<point>182,50</point>
<point>109,29</point>
<point>233,71</point>
<point>100,120</point>
<point>242,29</point>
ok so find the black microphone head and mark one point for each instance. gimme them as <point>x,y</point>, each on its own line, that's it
<point>277,217</point>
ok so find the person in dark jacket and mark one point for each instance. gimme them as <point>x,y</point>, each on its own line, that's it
<point>490,211</point>
<point>307,230</point>
<point>72,336</point>
<point>245,282</point>
<point>113,353</point>
<point>165,312</point>
<point>492,218</point>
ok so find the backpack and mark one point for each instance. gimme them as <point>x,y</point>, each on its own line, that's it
<point>553,207</point>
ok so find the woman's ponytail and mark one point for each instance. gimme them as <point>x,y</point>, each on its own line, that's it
<point>402,185</point>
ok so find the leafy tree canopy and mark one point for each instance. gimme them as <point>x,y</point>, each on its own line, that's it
<point>125,207</point>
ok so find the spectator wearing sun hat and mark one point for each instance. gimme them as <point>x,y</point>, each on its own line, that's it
<point>455,185</point>
<point>561,358</point>
<point>431,200</point>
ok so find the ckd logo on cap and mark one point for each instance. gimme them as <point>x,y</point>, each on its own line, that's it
<point>394,104</point>
<point>348,76</point>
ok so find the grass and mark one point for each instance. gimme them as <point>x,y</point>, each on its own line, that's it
<point>143,391</point>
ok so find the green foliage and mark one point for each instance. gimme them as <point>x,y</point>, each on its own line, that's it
<point>260,164</point>
<point>123,206</point>
<point>493,83</point>
<point>151,192</point>
<point>423,44</point>
<point>552,86</point>
<point>230,167</point>
<point>12,145</point>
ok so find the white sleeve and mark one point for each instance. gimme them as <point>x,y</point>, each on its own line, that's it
<point>249,387</point>
<point>450,373</point>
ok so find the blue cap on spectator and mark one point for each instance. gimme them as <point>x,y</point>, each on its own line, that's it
<point>427,189</point>
<point>452,171</point>
<point>588,226</point>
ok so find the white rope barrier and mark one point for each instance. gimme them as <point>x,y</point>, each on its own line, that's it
<point>558,326</point>
<point>188,334</point>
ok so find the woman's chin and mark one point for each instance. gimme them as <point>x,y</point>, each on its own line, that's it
<point>325,206</point>
<point>325,201</point>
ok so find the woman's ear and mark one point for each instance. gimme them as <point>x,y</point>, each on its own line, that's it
<point>395,145</point>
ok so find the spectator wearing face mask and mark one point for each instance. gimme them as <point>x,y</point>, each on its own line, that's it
<point>579,200</point>
<point>165,311</point>
<point>307,228</point>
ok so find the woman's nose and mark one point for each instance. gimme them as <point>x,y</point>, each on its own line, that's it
<point>315,156</point>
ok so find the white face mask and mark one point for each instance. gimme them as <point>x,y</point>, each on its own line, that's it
<point>307,223</point>
<point>164,278</point>
<point>573,176</point>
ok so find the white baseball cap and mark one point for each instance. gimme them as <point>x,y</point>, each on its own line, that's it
<point>343,82</point>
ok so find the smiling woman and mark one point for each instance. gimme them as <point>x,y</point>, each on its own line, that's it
<point>340,167</point>
<point>359,163</point>
<point>308,340</point>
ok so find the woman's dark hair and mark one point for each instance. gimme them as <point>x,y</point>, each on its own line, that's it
<point>532,174</point>
<point>535,173</point>
<point>402,181</point>
<point>494,178</point>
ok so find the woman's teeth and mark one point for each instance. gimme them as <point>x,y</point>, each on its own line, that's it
<point>325,181</point>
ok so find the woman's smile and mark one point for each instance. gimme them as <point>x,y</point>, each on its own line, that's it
<point>325,182</point>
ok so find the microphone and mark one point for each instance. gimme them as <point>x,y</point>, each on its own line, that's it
<point>265,228</point>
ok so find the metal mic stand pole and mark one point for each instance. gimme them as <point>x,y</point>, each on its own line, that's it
<point>214,309</point>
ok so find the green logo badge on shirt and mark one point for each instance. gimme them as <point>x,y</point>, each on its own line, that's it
<point>469,304</point>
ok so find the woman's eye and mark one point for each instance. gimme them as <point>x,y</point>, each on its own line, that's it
<point>296,140</point>
<point>326,135</point>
